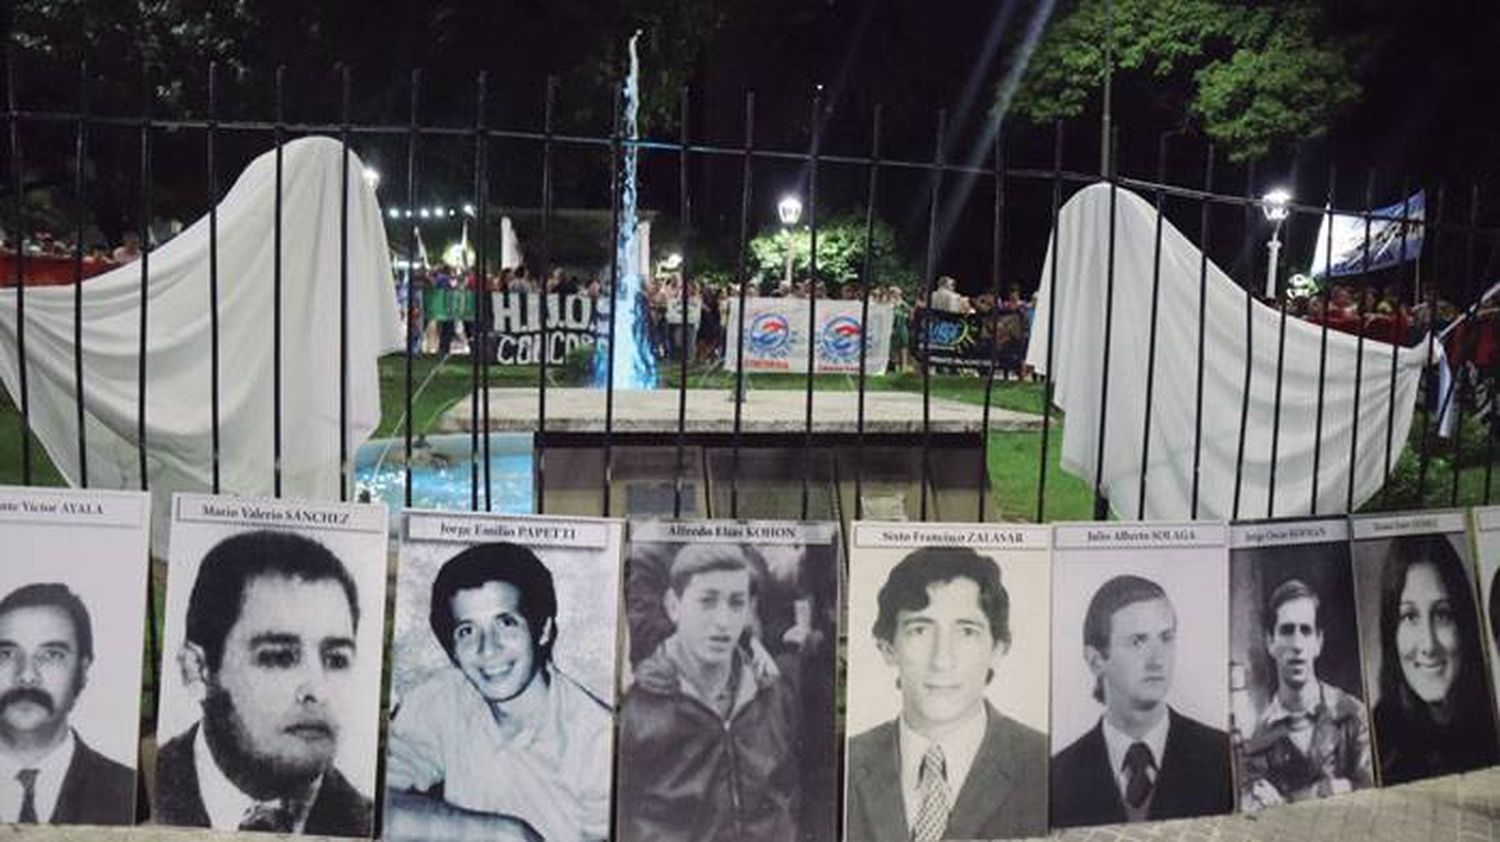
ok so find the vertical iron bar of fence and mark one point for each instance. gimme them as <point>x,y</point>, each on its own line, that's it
<point>615,149</point>
<point>1161,179</point>
<point>746,192</point>
<point>812,294</point>
<point>1359,344</point>
<point>1397,341</point>
<point>478,342</point>
<point>1101,502</point>
<point>278,131</point>
<point>412,135</point>
<point>1323,342</point>
<point>80,145</point>
<point>688,344</point>
<point>1430,246</point>
<point>1239,455</point>
<point>345,86</point>
<point>1276,406</point>
<point>1473,329</point>
<point>212,167</point>
<point>1203,231</point>
<point>1041,482</point>
<point>930,281</point>
<point>144,229</point>
<point>20,249</point>
<point>997,242</point>
<point>867,269</point>
<point>541,287</point>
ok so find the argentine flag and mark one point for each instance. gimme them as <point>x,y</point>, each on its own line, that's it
<point>1387,244</point>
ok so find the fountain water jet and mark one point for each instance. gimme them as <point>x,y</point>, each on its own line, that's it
<point>634,362</point>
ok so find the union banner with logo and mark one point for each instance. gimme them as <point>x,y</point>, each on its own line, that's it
<point>777,336</point>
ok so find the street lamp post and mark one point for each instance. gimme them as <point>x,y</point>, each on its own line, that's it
<point>1274,205</point>
<point>789,209</point>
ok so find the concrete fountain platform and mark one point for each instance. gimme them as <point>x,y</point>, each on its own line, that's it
<point>711,411</point>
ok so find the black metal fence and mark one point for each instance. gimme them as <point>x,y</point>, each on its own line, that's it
<point>1013,198</point>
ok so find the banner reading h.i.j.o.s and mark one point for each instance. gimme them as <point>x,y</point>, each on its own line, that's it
<point>776,336</point>
<point>518,327</point>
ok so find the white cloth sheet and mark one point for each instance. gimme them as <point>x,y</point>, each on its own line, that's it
<point>1076,301</point>
<point>179,415</point>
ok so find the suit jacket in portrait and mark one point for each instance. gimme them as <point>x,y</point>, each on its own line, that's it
<point>95,790</point>
<point>1193,777</point>
<point>1003,796</point>
<point>338,811</point>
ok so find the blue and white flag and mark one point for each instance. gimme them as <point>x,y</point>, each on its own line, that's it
<point>1387,246</point>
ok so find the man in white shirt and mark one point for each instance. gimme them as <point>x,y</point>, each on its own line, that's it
<point>962,769</point>
<point>47,773</point>
<point>1143,761</point>
<point>269,652</point>
<point>502,731</point>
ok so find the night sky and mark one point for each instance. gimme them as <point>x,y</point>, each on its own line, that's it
<point>1428,115</point>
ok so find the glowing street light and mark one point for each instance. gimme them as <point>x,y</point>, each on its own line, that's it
<point>468,210</point>
<point>372,177</point>
<point>1275,206</point>
<point>789,209</point>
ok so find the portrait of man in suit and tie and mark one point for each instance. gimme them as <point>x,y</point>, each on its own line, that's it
<point>949,765</point>
<point>1142,760</point>
<point>48,773</point>
<point>269,653</point>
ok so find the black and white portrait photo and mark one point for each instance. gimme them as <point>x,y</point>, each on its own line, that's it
<point>1140,639</point>
<point>1487,546</point>
<point>947,663</point>
<point>1300,726</point>
<point>503,675</point>
<point>727,720</point>
<point>72,615</point>
<point>1422,645</point>
<point>271,661</point>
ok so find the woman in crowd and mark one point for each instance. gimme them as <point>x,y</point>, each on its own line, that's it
<point>1434,715</point>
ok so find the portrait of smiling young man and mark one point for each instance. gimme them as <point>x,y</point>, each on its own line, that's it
<point>48,773</point>
<point>950,765</point>
<point>269,653</point>
<point>502,730</point>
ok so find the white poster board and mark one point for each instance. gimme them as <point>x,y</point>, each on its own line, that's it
<point>777,336</point>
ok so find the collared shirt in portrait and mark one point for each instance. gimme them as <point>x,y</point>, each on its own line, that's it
<point>50,771</point>
<point>226,804</point>
<point>1304,754</point>
<point>554,774</point>
<point>959,750</point>
<point>1117,742</point>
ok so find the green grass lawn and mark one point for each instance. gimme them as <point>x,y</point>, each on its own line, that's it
<point>1013,457</point>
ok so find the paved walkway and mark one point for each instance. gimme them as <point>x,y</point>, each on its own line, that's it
<point>1462,808</point>
<point>711,411</point>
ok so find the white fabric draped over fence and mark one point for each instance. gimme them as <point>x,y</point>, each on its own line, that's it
<point>179,414</point>
<point>1076,304</point>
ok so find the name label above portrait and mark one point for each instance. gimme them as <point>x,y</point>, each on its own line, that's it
<point>1413,524</point>
<point>732,532</point>
<point>280,514</point>
<point>1487,519</point>
<point>531,531</point>
<point>1282,533</point>
<point>123,509</point>
<point>981,536</point>
<point>1110,536</point>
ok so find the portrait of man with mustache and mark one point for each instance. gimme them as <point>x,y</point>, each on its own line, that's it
<point>269,654</point>
<point>48,774</point>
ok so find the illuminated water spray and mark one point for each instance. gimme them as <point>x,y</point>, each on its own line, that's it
<point>635,365</point>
